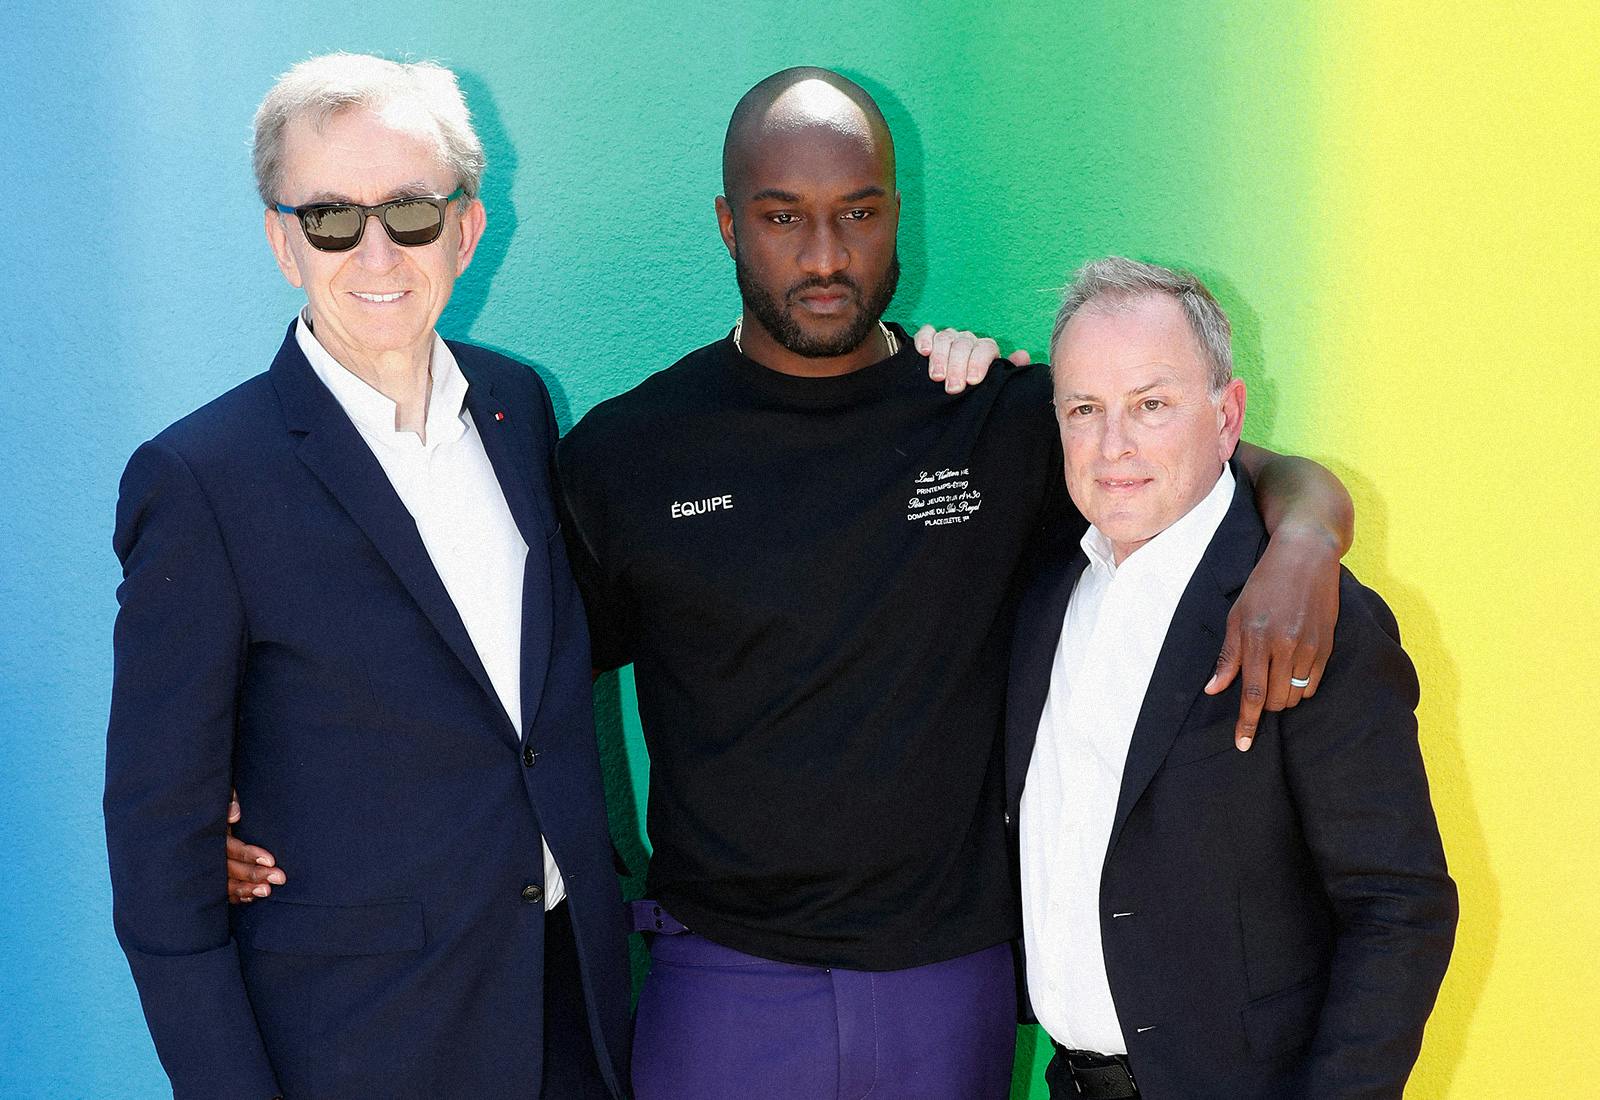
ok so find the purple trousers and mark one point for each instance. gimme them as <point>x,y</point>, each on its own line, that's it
<point>715,1023</point>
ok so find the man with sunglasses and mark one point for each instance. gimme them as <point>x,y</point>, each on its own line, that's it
<point>344,594</point>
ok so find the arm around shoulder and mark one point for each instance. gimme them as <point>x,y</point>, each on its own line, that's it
<point>1300,498</point>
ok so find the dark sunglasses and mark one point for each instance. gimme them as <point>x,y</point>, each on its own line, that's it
<point>337,226</point>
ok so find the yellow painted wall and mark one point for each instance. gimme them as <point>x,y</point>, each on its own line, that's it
<point>1454,373</point>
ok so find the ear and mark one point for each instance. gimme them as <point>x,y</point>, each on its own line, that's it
<point>725,226</point>
<point>1230,416</point>
<point>473,220</point>
<point>278,239</point>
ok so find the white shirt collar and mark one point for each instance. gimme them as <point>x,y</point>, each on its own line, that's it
<point>372,412</point>
<point>1169,559</point>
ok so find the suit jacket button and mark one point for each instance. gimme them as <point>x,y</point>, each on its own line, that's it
<point>529,756</point>
<point>531,893</point>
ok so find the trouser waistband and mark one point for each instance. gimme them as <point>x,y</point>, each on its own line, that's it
<point>649,916</point>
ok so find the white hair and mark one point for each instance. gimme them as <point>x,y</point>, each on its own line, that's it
<point>324,86</point>
<point>1116,281</point>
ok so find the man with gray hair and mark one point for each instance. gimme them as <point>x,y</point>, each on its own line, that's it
<point>1198,922</point>
<point>344,595</point>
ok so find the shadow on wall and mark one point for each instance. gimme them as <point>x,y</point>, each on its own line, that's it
<point>1249,360</point>
<point>912,241</point>
<point>1440,734</point>
<point>472,288</point>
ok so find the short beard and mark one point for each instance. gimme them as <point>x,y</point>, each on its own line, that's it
<point>778,318</point>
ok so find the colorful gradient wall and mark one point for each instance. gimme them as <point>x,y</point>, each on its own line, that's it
<point>1397,202</point>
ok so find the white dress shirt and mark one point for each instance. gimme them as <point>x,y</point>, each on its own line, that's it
<point>451,491</point>
<point>1116,622</point>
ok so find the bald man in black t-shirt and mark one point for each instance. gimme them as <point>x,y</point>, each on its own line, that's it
<point>810,555</point>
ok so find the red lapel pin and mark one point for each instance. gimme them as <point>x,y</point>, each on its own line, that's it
<point>499,416</point>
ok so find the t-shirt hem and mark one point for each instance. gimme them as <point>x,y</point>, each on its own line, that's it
<point>888,952</point>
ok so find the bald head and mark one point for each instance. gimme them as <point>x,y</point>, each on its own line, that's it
<point>809,213</point>
<point>792,102</point>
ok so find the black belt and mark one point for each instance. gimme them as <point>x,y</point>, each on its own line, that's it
<point>1095,1076</point>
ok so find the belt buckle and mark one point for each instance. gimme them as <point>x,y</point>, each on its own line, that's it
<point>1110,1060</point>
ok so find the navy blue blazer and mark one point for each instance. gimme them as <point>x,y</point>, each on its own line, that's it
<point>1275,923</point>
<point>283,631</point>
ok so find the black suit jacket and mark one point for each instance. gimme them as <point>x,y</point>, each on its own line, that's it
<point>1275,923</point>
<point>282,629</point>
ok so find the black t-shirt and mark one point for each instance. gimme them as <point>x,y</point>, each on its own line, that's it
<point>815,579</point>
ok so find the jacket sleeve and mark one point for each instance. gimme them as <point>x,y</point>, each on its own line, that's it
<point>179,647</point>
<point>1357,779</point>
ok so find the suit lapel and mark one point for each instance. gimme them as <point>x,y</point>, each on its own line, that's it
<point>1189,653</point>
<point>1038,634</point>
<point>334,451</point>
<point>510,462</point>
<point>510,450</point>
<point>1188,657</point>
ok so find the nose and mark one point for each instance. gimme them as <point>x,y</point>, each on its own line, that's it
<point>1116,440</point>
<point>822,253</point>
<point>376,252</point>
